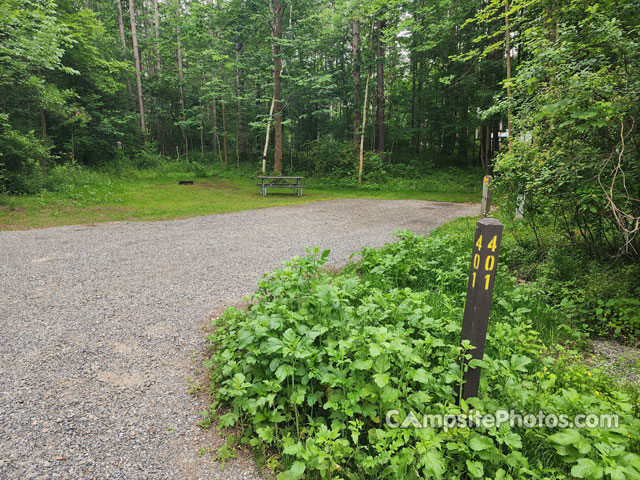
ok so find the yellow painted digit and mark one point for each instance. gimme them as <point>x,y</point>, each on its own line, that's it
<point>493,244</point>
<point>473,281</point>
<point>487,278</point>
<point>476,261</point>
<point>489,263</point>
<point>479,243</point>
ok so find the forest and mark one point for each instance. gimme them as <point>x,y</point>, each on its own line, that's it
<point>136,110</point>
<point>543,93</point>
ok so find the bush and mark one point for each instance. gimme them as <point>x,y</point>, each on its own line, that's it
<point>311,370</point>
<point>21,158</point>
<point>147,158</point>
<point>596,296</point>
<point>576,117</point>
<point>337,163</point>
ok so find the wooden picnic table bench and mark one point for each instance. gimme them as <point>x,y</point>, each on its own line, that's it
<point>267,181</point>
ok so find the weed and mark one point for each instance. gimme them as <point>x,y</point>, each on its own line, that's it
<point>226,451</point>
<point>309,371</point>
<point>195,386</point>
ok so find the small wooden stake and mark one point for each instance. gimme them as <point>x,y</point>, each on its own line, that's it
<point>486,196</point>
<point>484,263</point>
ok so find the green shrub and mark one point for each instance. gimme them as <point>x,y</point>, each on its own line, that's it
<point>21,158</point>
<point>597,296</point>
<point>576,117</point>
<point>311,370</point>
<point>148,158</point>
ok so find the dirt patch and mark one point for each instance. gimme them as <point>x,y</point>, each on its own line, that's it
<point>12,210</point>
<point>159,330</point>
<point>127,348</point>
<point>225,186</point>
<point>206,185</point>
<point>621,361</point>
<point>122,380</point>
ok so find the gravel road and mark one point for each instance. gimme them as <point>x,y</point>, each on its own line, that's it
<point>102,325</point>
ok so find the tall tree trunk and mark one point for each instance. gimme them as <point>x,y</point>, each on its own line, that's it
<point>224,122</point>
<point>156,26</point>
<point>364,124</point>
<point>266,140</point>
<point>224,135</point>
<point>463,135</point>
<point>123,44</point>
<point>181,89</point>
<point>412,143</point>
<point>380,84</point>
<point>355,44</point>
<point>419,115</point>
<point>240,124</point>
<point>136,58</point>
<point>202,117</point>
<point>487,147</point>
<point>214,119</point>
<point>507,43</point>
<point>214,115</point>
<point>277,10</point>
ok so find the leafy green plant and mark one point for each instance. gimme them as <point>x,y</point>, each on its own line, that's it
<point>310,371</point>
<point>226,451</point>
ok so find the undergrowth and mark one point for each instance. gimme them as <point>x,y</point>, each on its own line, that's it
<point>319,362</point>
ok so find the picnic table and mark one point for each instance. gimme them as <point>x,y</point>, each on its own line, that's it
<point>267,181</point>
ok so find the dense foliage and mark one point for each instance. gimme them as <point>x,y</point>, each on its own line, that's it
<point>88,81</point>
<point>595,295</point>
<point>435,82</point>
<point>577,104</point>
<point>309,371</point>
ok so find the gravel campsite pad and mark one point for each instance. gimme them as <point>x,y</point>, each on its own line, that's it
<point>102,327</point>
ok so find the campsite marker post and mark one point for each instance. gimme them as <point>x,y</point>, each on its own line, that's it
<point>485,208</point>
<point>484,263</point>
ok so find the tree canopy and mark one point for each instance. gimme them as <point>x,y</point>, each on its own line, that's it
<point>90,82</point>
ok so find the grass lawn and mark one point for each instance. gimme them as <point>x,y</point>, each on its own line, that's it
<point>153,197</point>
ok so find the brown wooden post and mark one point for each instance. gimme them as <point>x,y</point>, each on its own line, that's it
<point>484,263</point>
<point>485,208</point>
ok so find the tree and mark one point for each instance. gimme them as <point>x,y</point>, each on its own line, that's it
<point>277,10</point>
<point>356,79</point>
<point>578,96</point>
<point>183,115</point>
<point>380,25</point>
<point>136,58</point>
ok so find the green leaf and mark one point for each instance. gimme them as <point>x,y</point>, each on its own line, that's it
<point>617,472</point>
<point>294,473</point>
<point>272,345</point>
<point>421,375</point>
<point>284,371</point>
<point>433,463</point>
<point>362,364</point>
<point>520,362</point>
<point>566,437</point>
<point>265,434</point>
<point>480,442</point>
<point>381,364</point>
<point>513,440</point>
<point>381,379</point>
<point>374,350</point>
<point>587,468</point>
<point>293,449</point>
<point>475,469</point>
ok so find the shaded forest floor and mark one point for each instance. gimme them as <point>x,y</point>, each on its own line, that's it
<point>159,197</point>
